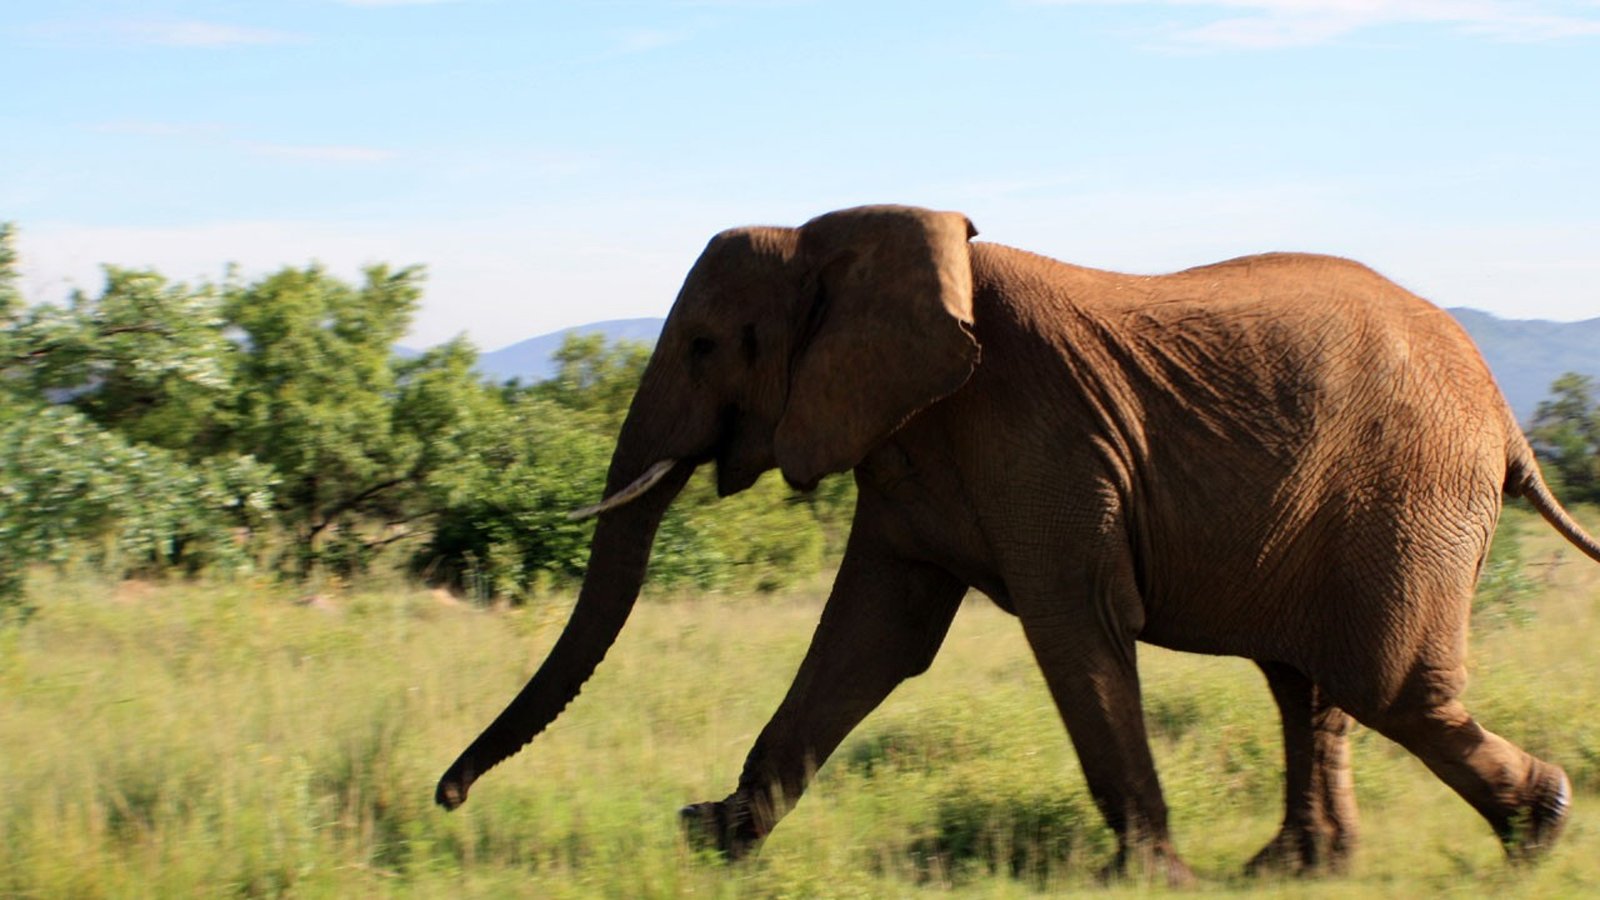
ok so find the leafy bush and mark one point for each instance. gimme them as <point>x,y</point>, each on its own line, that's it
<point>69,487</point>
<point>925,743</point>
<point>988,822</point>
<point>1503,583</point>
<point>503,528</point>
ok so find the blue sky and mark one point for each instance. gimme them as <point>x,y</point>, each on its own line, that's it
<point>553,163</point>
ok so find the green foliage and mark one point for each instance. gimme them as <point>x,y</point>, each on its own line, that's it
<point>1000,826</point>
<point>541,452</point>
<point>1566,437</point>
<point>146,359</point>
<point>104,407</point>
<point>1504,584</point>
<point>10,306</point>
<point>761,539</point>
<point>503,529</point>
<point>316,386</point>
<point>69,487</point>
<point>596,380</point>
<point>173,402</point>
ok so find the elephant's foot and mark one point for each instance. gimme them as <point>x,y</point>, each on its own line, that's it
<point>1538,825</point>
<point>1302,850</point>
<point>1152,862</point>
<point>723,826</point>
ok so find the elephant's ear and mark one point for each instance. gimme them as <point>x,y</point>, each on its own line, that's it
<point>888,332</point>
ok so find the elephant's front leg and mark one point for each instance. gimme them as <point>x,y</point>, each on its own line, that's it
<point>1085,646</point>
<point>882,624</point>
<point>1319,819</point>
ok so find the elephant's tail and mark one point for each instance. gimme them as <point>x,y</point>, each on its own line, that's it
<point>1523,479</point>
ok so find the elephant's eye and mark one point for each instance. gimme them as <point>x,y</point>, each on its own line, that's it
<point>701,347</point>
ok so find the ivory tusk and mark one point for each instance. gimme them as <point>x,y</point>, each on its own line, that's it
<point>628,494</point>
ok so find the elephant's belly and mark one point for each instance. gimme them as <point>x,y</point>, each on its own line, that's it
<point>966,567</point>
<point>1189,641</point>
<point>1219,625</point>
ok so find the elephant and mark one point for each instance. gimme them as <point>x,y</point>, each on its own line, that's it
<point>1284,457</point>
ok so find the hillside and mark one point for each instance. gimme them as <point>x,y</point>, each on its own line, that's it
<point>530,360</point>
<point>1526,355</point>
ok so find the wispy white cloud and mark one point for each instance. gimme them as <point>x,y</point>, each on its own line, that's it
<point>185,33</point>
<point>193,33</point>
<point>1262,24</point>
<point>378,3</point>
<point>983,189</point>
<point>223,136</point>
<point>142,128</point>
<point>744,4</point>
<point>332,153</point>
<point>644,40</point>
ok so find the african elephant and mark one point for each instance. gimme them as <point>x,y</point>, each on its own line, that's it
<point>1284,457</point>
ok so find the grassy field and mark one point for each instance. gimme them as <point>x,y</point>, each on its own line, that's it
<point>212,740</point>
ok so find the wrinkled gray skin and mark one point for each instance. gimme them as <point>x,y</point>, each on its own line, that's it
<point>1286,458</point>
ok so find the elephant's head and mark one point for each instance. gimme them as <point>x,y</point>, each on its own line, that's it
<point>795,348</point>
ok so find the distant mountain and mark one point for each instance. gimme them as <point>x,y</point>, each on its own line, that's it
<point>530,360</point>
<point>1526,355</point>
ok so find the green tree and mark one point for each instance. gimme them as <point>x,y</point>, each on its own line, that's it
<point>1503,582</point>
<point>596,378</point>
<point>68,486</point>
<point>354,434</point>
<point>10,306</point>
<point>154,425</point>
<point>1566,437</point>
<point>503,528</point>
<point>146,359</point>
<point>72,483</point>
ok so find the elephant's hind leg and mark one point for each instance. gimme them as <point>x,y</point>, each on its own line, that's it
<point>883,623</point>
<point>1319,820</point>
<point>1524,799</point>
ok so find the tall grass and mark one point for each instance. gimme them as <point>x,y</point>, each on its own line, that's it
<point>205,740</point>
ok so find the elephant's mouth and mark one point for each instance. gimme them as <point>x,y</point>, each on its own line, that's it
<point>722,450</point>
<point>742,450</point>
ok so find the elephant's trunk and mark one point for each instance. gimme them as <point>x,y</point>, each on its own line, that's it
<point>617,559</point>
